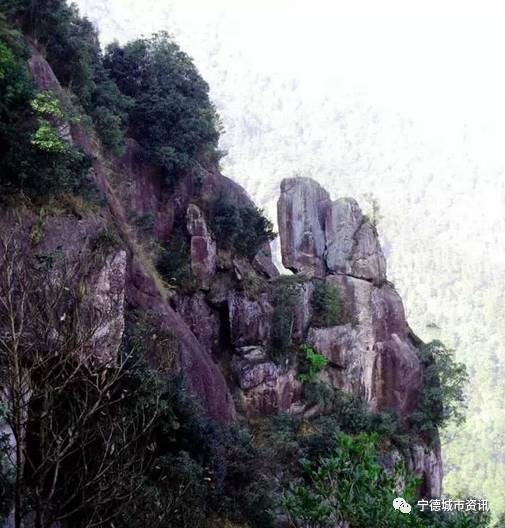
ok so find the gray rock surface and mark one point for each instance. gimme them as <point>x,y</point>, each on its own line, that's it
<point>342,222</point>
<point>250,320</point>
<point>301,215</point>
<point>374,353</point>
<point>203,248</point>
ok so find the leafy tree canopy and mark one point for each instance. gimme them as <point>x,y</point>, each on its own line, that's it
<point>172,116</point>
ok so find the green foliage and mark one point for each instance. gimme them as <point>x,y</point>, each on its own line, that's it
<point>442,398</point>
<point>46,104</point>
<point>200,469</point>
<point>312,364</point>
<point>173,261</point>
<point>34,161</point>
<point>106,241</point>
<point>73,51</point>
<point>46,138</point>
<point>456,519</point>
<point>327,305</point>
<point>171,115</point>
<point>149,336</point>
<point>144,222</point>
<point>242,230</point>
<point>349,485</point>
<point>349,412</point>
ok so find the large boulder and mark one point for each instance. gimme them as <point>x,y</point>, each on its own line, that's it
<point>263,262</point>
<point>343,350</point>
<point>203,248</point>
<point>301,216</point>
<point>367,260</point>
<point>342,222</point>
<point>425,462</point>
<point>263,387</point>
<point>250,320</point>
<point>372,355</point>
<point>352,244</point>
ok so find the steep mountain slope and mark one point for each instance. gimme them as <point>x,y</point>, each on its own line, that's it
<point>140,302</point>
<point>436,177</point>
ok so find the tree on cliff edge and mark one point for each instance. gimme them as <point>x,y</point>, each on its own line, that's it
<point>80,423</point>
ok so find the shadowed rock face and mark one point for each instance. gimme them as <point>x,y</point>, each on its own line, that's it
<point>250,320</point>
<point>203,248</point>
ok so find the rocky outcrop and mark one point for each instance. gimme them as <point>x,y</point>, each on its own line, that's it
<point>201,319</point>
<point>250,320</point>
<point>301,216</point>
<point>229,315</point>
<point>372,355</point>
<point>263,263</point>
<point>371,352</point>
<point>265,388</point>
<point>425,461</point>
<point>352,246</point>
<point>203,248</point>
<point>41,72</point>
<point>319,236</point>
<point>106,295</point>
<point>202,375</point>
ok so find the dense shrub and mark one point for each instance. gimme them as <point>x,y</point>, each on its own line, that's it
<point>442,398</point>
<point>243,230</point>
<point>349,485</point>
<point>72,49</point>
<point>327,305</point>
<point>311,364</point>
<point>34,160</point>
<point>171,115</point>
<point>173,261</point>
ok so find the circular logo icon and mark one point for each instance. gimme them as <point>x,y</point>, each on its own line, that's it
<point>401,504</point>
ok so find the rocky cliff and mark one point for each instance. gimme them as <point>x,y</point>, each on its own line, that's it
<point>237,323</point>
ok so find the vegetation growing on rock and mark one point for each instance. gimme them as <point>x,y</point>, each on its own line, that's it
<point>327,305</point>
<point>119,440</point>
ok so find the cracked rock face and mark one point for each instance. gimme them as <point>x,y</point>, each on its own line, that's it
<point>352,245</point>
<point>264,388</point>
<point>107,295</point>
<point>301,215</point>
<point>319,236</point>
<point>342,222</point>
<point>426,463</point>
<point>201,319</point>
<point>250,320</point>
<point>203,248</point>
<point>373,355</point>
